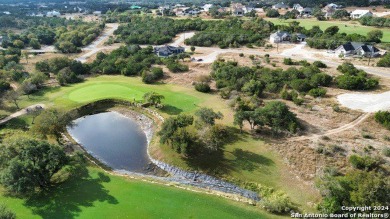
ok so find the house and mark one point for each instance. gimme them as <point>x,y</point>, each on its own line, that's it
<point>279,37</point>
<point>301,37</point>
<point>53,14</point>
<point>333,5</point>
<point>306,11</point>
<point>297,7</point>
<point>165,51</point>
<point>248,9</point>
<point>329,9</point>
<point>358,49</point>
<point>97,13</point>
<point>7,12</point>
<point>207,7</point>
<point>192,12</point>
<point>280,6</point>
<point>135,7</point>
<point>237,9</point>
<point>356,14</point>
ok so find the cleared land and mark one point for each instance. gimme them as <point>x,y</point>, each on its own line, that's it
<point>94,194</point>
<point>344,26</point>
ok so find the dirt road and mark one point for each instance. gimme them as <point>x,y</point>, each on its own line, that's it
<point>21,112</point>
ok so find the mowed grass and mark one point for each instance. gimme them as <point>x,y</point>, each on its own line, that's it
<point>95,194</point>
<point>177,99</point>
<point>348,27</point>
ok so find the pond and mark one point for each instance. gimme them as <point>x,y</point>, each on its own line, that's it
<point>114,139</point>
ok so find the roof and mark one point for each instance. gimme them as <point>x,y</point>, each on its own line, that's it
<point>280,5</point>
<point>167,49</point>
<point>301,35</point>
<point>307,10</point>
<point>352,46</point>
<point>358,12</point>
<point>280,34</point>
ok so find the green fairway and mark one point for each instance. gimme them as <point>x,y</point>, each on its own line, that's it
<point>177,99</point>
<point>94,194</point>
<point>344,26</point>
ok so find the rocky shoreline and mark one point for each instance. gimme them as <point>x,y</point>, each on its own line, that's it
<point>176,174</point>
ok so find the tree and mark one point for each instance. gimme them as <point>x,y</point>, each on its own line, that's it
<point>18,44</point>
<point>192,48</point>
<point>13,96</point>
<point>6,213</point>
<point>272,13</point>
<point>276,115</point>
<point>153,98</point>
<point>384,61</point>
<point>339,14</point>
<point>202,87</point>
<point>26,55</point>
<point>208,116</point>
<point>332,30</point>
<point>29,164</point>
<point>239,119</point>
<point>34,43</point>
<point>375,36</point>
<point>52,122</point>
<point>28,87</point>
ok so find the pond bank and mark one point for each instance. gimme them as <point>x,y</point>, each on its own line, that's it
<point>147,120</point>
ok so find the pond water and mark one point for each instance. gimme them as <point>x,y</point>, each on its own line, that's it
<point>113,139</point>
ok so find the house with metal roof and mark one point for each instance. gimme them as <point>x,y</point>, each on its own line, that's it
<point>280,6</point>
<point>279,37</point>
<point>356,14</point>
<point>166,51</point>
<point>357,49</point>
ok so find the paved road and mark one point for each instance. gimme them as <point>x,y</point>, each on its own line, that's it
<point>21,112</point>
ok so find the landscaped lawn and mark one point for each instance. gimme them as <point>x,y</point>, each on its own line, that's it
<point>344,26</point>
<point>95,194</point>
<point>177,99</point>
<point>245,158</point>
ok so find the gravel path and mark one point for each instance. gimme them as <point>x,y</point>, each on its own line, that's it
<point>21,112</point>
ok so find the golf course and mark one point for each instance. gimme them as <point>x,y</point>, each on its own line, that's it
<point>349,27</point>
<point>96,194</point>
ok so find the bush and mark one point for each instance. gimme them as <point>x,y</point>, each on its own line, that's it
<point>5,213</point>
<point>363,163</point>
<point>386,151</point>
<point>241,54</point>
<point>277,202</point>
<point>383,118</point>
<point>317,92</point>
<point>288,61</point>
<point>272,13</point>
<point>319,64</point>
<point>203,87</point>
<point>384,61</point>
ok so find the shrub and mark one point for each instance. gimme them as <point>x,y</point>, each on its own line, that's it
<point>319,64</point>
<point>6,213</point>
<point>383,118</point>
<point>363,163</point>
<point>288,61</point>
<point>277,202</point>
<point>202,87</point>
<point>386,151</point>
<point>241,54</point>
<point>317,92</point>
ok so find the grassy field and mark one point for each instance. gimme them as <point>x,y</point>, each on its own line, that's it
<point>345,26</point>
<point>177,99</point>
<point>94,194</point>
<point>244,158</point>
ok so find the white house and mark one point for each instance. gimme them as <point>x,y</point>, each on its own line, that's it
<point>97,13</point>
<point>358,49</point>
<point>297,7</point>
<point>279,37</point>
<point>207,7</point>
<point>356,14</point>
<point>280,6</point>
<point>53,14</point>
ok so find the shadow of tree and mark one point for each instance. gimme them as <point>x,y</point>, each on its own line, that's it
<point>66,199</point>
<point>250,161</point>
<point>171,110</point>
<point>15,123</point>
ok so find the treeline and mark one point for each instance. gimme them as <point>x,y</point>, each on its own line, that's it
<point>67,36</point>
<point>155,31</point>
<point>375,21</point>
<point>233,32</point>
<point>330,38</point>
